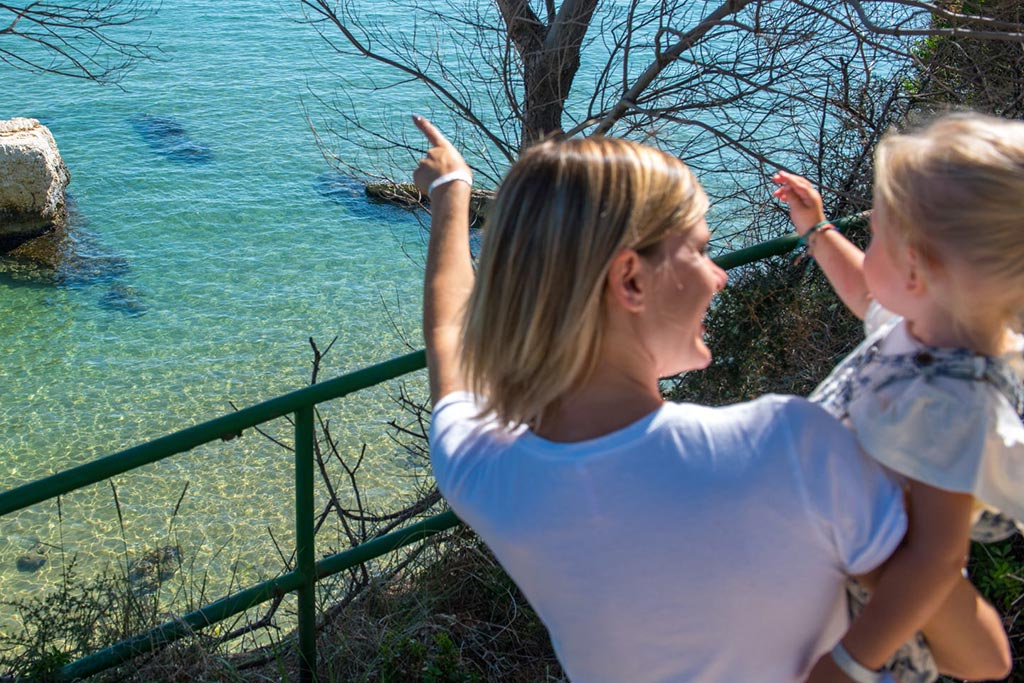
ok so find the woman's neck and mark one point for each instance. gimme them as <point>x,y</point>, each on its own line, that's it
<point>613,397</point>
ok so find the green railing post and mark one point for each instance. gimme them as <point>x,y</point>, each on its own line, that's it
<point>305,553</point>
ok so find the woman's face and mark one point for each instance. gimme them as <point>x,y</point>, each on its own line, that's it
<point>684,282</point>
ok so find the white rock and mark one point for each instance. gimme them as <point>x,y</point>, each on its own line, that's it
<point>33,179</point>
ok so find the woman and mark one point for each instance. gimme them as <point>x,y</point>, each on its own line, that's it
<point>657,541</point>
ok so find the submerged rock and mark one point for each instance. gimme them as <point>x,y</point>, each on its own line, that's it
<point>68,255</point>
<point>33,180</point>
<point>168,138</point>
<point>33,560</point>
<point>156,566</point>
<point>123,299</point>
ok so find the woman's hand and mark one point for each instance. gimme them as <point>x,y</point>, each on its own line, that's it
<point>805,206</point>
<point>442,158</point>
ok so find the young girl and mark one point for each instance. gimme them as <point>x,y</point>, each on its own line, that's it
<point>934,392</point>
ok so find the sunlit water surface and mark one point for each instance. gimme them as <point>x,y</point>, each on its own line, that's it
<point>197,278</point>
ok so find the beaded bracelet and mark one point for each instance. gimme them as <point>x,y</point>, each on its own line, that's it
<point>803,239</point>
<point>820,226</point>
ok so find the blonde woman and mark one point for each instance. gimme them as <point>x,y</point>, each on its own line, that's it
<point>657,541</point>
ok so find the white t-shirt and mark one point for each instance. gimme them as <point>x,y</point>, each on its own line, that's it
<point>697,544</point>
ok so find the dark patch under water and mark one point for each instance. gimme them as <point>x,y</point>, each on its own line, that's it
<point>124,299</point>
<point>340,188</point>
<point>74,257</point>
<point>350,192</point>
<point>169,138</point>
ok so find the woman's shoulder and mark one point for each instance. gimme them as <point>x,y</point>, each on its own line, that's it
<point>767,405</point>
<point>767,414</point>
<point>462,413</point>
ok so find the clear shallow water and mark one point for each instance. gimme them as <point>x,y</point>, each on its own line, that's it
<point>205,282</point>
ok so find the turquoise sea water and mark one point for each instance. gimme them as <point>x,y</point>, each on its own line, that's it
<point>204,279</point>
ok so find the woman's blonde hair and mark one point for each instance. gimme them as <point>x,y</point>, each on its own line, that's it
<point>954,190</point>
<point>534,322</point>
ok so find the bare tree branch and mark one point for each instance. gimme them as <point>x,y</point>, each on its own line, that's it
<point>327,12</point>
<point>737,88</point>
<point>78,40</point>
<point>663,59</point>
<point>991,29</point>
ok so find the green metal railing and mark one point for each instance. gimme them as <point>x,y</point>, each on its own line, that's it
<point>302,579</point>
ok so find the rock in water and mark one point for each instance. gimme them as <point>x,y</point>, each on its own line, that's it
<point>123,299</point>
<point>33,179</point>
<point>167,137</point>
<point>156,566</point>
<point>33,560</point>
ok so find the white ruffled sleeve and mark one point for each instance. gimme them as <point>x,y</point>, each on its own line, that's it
<point>951,434</point>
<point>875,317</point>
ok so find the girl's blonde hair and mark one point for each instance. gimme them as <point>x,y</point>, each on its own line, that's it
<point>535,318</point>
<point>954,190</point>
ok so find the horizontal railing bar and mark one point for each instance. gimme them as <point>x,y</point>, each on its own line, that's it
<point>226,426</point>
<point>231,605</point>
<point>385,544</point>
<point>174,630</point>
<point>777,246</point>
<point>741,257</point>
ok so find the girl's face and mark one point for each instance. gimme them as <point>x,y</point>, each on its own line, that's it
<point>886,266</point>
<point>684,282</point>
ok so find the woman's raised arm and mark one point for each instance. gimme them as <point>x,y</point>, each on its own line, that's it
<point>445,177</point>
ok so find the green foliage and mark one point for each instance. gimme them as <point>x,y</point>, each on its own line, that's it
<point>984,75</point>
<point>997,570</point>
<point>77,619</point>
<point>436,660</point>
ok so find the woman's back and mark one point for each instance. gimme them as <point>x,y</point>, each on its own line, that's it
<point>697,544</point>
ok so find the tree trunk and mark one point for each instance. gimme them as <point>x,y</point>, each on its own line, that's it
<point>550,54</point>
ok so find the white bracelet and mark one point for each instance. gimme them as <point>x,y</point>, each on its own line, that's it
<point>854,669</point>
<point>460,174</point>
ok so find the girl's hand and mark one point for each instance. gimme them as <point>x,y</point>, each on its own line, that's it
<point>805,206</point>
<point>442,157</point>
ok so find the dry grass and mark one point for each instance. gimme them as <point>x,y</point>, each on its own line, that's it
<point>452,616</point>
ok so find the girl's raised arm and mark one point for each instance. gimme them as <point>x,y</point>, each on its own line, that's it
<point>841,261</point>
<point>445,177</point>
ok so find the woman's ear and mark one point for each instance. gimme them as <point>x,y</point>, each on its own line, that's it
<point>626,283</point>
